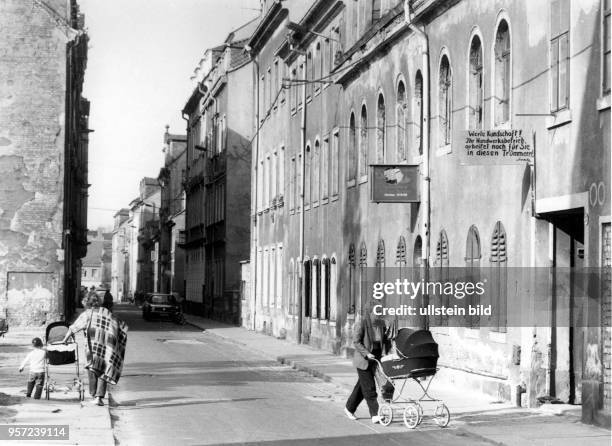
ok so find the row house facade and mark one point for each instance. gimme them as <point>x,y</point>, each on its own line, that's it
<point>119,254</point>
<point>44,127</point>
<point>217,180</point>
<point>171,261</point>
<point>341,86</point>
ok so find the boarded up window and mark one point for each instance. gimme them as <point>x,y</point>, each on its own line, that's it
<point>381,129</point>
<point>400,128</point>
<point>472,263</point>
<point>363,142</point>
<point>352,149</point>
<point>559,54</point>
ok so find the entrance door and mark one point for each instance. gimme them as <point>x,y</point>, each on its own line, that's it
<point>567,338</point>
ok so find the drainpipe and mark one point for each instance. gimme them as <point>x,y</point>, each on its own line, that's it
<point>255,191</point>
<point>426,182</point>
<point>302,184</point>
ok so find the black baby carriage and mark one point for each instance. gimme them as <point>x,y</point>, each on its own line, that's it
<point>415,358</point>
<point>59,354</point>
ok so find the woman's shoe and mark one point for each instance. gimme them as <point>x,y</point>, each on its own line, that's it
<point>376,419</point>
<point>97,402</point>
<point>349,414</point>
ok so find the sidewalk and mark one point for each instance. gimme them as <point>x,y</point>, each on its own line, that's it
<point>499,422</point>
<point>88,425</point>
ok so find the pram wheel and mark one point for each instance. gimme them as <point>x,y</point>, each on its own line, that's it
<point>411,416</point>
<point>385,412</point>
<point>420,409</point>
<point>442,415</point>
<point>47,389</point>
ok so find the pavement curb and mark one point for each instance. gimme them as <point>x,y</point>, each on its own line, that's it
<point>296,365</point>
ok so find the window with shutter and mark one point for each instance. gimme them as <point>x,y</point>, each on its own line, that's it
<point>499,278</point>
<point>472,263</point>
<point>351,282</point>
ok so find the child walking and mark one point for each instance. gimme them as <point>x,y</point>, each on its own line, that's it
<point>36,359</point>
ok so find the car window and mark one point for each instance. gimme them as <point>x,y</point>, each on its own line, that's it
<point>159,299</point>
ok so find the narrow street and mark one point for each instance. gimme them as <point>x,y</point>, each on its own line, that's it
<point>183,386</point>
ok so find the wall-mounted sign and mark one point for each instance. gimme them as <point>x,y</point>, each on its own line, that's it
<point>395,183</point>
<point>478,147</point>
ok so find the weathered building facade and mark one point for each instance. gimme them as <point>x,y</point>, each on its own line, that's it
<point>171,257</point>
<point>405,87</point>
<point>118,254</point>
<point>43,160</point>
<point>217,183</point>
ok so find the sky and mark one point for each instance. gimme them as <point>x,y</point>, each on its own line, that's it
<point>141,56</point>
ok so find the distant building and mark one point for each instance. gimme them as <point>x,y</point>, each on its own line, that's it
<point>217,182</point>
<point>143,226</point>
<point>119,254</point>
<point>171,258</point>
<point>43,162</point>
<point>96,266</point>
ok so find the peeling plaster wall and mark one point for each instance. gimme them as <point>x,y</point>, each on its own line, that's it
<point>32,104</point>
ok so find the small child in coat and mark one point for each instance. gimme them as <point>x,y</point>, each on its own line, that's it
<point>36,360</point>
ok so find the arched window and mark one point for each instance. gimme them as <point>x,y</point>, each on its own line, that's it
<point>476,87</point>
<point>352,277</point>
<point>499,278</point>
<point>333,290</point>
<point>417,253</point>
<point>363,143</point>
<point>444,102</point>
<point>290,304</point>
<point>363,266</point>
<point>400,118</point>
<point>307,288</point>
<point>417,112</point>
<point>315,184</point>
<point>381,129</point>
<point>317,68</point>
<point>440,274</point>
<point>400,252</point>
<point>326,289</point>
<point>307,174</point>
<point>352,149</point>
<point>380,261</point>
<point>309,74</point>
<point>472,264</point>
<point>501,94</point>
<point>316,285</point>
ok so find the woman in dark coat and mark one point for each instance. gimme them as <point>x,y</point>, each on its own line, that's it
<point>371,342</point>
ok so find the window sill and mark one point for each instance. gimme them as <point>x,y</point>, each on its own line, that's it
<point>444,150</point>
<point>334,198</point>
<point>317,91</point>
<point>603,102</point>
<point>350,183</point>
<point>332,323</point>
<point>559,118</point>
<point>293,111</point>
<point>291,211</point>
<point>309,99</point>
<point>363,179</point>
<point>307,207</point>
<point>324,200</point>
<point>350,317</point>
<point>323,321</point>
<point>315,204</point>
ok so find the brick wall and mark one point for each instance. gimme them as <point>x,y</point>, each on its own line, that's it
<point>32,156</point>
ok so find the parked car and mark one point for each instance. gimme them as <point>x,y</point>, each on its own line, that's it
<point>161,305</point>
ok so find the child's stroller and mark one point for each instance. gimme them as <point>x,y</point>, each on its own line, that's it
<point>416,358</point>
<point>59,354</point>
